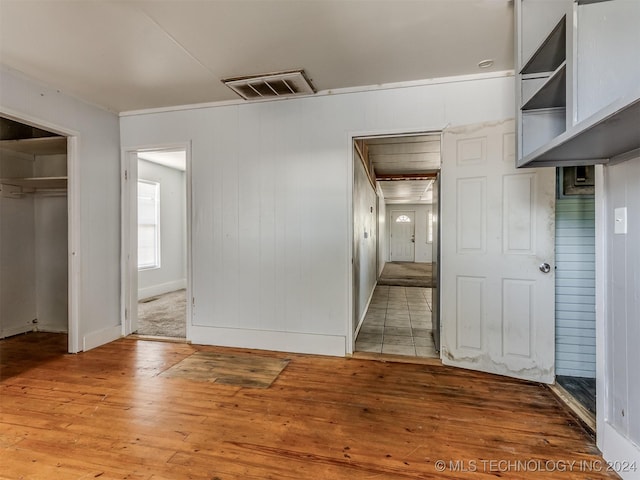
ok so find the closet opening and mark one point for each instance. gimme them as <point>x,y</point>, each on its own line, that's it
<point>34,234</point>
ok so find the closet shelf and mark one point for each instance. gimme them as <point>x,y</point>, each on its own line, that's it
<point>48,183</point>
<point>37,146</point>
<point>551,52</point>
<point>610,132</point>
<point>552,93</point>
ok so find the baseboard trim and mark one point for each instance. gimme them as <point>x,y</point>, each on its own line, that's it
<point>162,288</point>
<point>52,329</point>
<point>364,312</point>
<point>620,453</point>
<point>96,339</point>
<point>18,330</point>
<point>331,345</point>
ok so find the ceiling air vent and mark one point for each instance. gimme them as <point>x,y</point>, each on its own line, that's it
<point>271,85</point>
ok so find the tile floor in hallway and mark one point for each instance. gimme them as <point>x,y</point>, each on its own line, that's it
<point>398,322</point>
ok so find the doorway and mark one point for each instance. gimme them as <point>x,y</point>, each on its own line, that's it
<point>393,309</point>
<point>37,231</point>
<point>575,290</point>
<point>156,218</point>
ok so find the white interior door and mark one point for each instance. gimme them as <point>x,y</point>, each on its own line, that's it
<point>498,233</point>
<point>402,235</point>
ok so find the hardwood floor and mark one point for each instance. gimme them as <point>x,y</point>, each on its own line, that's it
<point>108,414</point>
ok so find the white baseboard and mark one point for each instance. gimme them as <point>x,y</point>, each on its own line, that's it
<point>162,288</point>
<point>17,330</point>
<point>106,335</point>
<point>621,454</point>
<point>364,313</point>
<point>50,328</point>
<point>269,340</point>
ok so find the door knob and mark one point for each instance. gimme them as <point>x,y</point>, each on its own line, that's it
<point>545,267</point>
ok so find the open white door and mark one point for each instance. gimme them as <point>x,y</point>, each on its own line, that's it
<point>498,230</point>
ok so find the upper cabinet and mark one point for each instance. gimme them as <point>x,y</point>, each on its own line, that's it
<point>577,81</point>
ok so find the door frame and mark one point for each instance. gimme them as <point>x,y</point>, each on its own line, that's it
<point>74,254</point>
<point>129,236</point>
<point>350,159</point>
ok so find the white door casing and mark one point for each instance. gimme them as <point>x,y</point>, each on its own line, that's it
<point>498,311</point>
<point>129,235</point>
<point>402,233</point>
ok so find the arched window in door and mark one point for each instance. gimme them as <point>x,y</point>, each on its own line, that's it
<point>403,219</point>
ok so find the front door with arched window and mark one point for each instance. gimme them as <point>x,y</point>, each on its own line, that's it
<point>402,233</point>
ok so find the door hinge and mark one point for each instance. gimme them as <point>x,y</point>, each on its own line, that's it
<point>126,314</point>
<point>126,175</point>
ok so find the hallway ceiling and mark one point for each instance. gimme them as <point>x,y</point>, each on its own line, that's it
<point>407,191</point>
<point>404,164</point>
<point>130,55</point>
<point>405,155</point>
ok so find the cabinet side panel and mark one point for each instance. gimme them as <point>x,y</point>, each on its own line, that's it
<point>608,64</point>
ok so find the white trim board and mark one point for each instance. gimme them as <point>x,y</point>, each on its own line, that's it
<point>18,330</point>
<point>128,223</point>
<point>269,340</point>
<point>337,91</point>
<point>162,288</point>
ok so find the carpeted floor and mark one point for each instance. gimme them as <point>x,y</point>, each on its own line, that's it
<point>164,315</point>
<point>407,274</point>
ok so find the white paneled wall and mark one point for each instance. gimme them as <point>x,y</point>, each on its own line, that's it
<point>575,287</point>
<point>365,238</point>
<point>272,203</point>
<point>622,184</point>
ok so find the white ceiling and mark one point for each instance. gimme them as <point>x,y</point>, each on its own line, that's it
<point>176,159</point>
<point>129,55</point>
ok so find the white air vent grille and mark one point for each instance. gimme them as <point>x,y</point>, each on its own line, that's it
<point>271,85</point>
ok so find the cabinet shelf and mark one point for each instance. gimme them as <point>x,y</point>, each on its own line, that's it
<point>45,183</point>
<point>552,93</point>
<point>610,132</point>
<point>551,52</point>
<point>37,146</point>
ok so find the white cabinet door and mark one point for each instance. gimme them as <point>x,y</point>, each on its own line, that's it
<point>498,230</point>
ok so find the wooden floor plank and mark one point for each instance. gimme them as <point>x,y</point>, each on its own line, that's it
<point>110,413</point>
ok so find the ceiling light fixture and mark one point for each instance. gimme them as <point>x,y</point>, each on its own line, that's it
<point>486,63</point>
<point>271,85</point>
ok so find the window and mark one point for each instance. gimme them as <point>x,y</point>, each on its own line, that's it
<point>403,219</point>
<point>148,224</point>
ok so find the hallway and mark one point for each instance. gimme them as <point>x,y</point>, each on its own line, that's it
<point>398,322</point>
